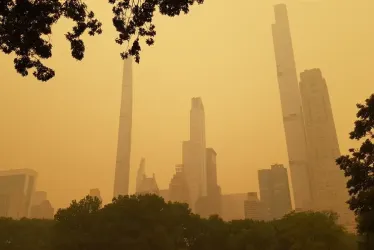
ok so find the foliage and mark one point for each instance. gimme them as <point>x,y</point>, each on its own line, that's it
<point>26,27</point>
<point>146,222</point>
<point>359,167</point>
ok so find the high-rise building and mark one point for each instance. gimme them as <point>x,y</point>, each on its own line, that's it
<point>122,171</point>
<point>149,186</point>
<point>44,210</point>
<point>178,188</point>
<point>253,208</point>
<point>275,191</point>
<point>232,206</point>
<point>38,197</point>
<point>95,192</point>
<point>16,190</point>
<point>328,184</point>
<point>193,155</point>
<point>291,107</point>
<point>211,203</point>
<point>140,175</point>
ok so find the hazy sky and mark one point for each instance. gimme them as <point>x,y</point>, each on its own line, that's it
<point>66,129</point>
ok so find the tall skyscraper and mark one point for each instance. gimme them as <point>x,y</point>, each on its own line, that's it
<point>193,155</point>
<point>149,186</point>
<point>328,184</point>
<point>291,107</point>
<point>122,171</point>
<point>16,190</point>
<point>140,175</point>
<point>275,191</point>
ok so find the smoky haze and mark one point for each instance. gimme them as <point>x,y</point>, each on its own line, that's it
<point>67,129</point>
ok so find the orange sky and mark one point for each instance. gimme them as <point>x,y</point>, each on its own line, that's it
<point>66,129</point>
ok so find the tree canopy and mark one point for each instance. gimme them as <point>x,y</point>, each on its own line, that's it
<point>358,166</point>
<point>26,28</point>
<point>147,222</point>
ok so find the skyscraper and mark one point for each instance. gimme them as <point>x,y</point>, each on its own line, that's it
<point>291,107</point>
<point>178,188</point>
<point>275,191</point>
<point>328,184</point>
<point>16,189</point>
<point>253,208</point>
<point>140,175</point>
<point>122,171</point>
<point>193,153</point>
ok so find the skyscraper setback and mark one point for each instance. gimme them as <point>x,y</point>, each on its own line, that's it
<point>122,171</point>
<point>291,107</point>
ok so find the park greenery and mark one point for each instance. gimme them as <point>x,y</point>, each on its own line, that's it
<point>358,167</point>
<point>26,28</point>
<point>147,222</point>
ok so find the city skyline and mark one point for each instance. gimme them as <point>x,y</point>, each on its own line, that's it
<point>61,139</point>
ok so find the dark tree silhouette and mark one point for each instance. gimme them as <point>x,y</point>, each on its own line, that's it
<point>359,168</point>
<point>26,27</point>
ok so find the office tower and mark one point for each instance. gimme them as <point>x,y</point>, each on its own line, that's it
<point>291,107</point>
<point>95,192</point>
<point>16,189</point>
<point>253,209</point>
<point>122,171</point>
<point>266,191</point>
<point>149,186</point>
<point>232,206</point>
<point>38,197</point>
<point>140,175</point>
<point>211,203</point>
<point>194,153</point>
<point>275,191</point>
<point>328,184</point>
<point>44,210</point>
<point>178,188</point>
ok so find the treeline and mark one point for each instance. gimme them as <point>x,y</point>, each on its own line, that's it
<point>148,223</point>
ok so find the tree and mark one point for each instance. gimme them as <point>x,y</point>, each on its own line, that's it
<point>26,28</point>
<point>358,166</point>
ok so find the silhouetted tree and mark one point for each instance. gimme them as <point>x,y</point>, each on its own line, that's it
<point>146,222</point>
<point>359,168</point>
<point>26,27</point>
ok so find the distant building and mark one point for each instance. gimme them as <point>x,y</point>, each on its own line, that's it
<point>164,193</point>
<point>122,170</point>
<point>95,192</point>
<point>16,190</point>
<point>253,208</point>
<point>211,203</point>
<point>149,186</point>
<point>140,175</point>
<point>193,153</point>
<point>232,206</point>
<point>43,211</point>
<point>178,188</point>
<point>38,197</point>
<point>328,184</point>
<point>292,112</point>
<point>275,191</point>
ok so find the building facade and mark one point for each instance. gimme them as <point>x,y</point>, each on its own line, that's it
<point>328,184</point>
<point>291,107</point>
<point>16,190</point>
<point>122,170</point>
<point>253,208</point>
<point>178,187</point>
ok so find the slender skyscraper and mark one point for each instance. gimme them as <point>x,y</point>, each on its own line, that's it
<point>327,181</point>
<point>291,107</point>
<point>121,178</point>
<point>194,153</point>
